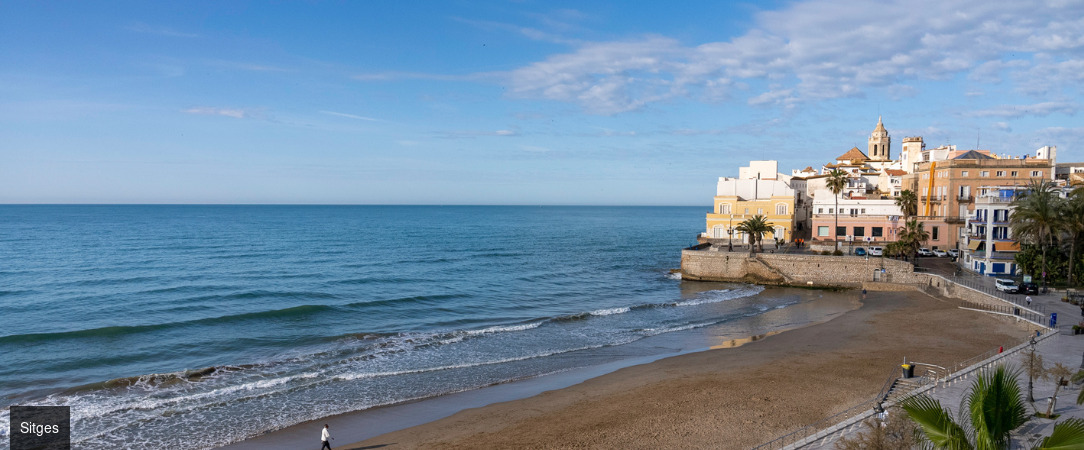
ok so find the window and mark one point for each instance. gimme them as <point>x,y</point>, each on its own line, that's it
<point>1013,173</point>
<point>984,173</point>
<point>747,210</point>
<point>876,231</point>
<point>1036,173</point>
<point>859,232</point>
<point>820,210</point>
<point>933,233</point>
<point>863,210</point>
<point>724,208</point>
<point>781,209</point>
<point>760,211</point>
<point>831,210</point>
<point>841,231</point>
<point>822,231</point>
<point>963,174</point>
<point>1001,173</point>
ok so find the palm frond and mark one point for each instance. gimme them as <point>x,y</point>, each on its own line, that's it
<point>1067,435</point>
<point>936,423</point>
<point>996,407</point>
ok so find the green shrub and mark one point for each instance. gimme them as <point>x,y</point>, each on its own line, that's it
<point>838,252</point>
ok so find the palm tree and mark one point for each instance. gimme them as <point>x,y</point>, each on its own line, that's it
<point>908,203</point>
<point>1060,374</point>
<point>1072,220</point>
<point>1035,218</point>
<point>755,228</point>
<point>836,182</point>
<point>995,407</point>
<point>912,237</point>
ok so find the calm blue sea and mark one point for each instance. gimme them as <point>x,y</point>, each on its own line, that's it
<point>153,322</point>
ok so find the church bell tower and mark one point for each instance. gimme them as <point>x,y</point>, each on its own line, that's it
<point>880,145</point>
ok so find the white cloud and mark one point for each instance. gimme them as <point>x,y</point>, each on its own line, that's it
<point>474,134</point>
<point>349,116</point>
<point>1038,110</point>
<point>228,112</point>
<point>140,27</point>
<point>824,49</point>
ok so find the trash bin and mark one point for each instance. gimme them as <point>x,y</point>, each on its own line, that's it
<point>1016,311</point>
<point>908,370</point>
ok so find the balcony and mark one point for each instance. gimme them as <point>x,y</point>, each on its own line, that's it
<point>965,198</point>
<point>931,198</point>
<point>954,219</point>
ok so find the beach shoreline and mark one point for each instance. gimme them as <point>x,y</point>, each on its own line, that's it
<point>778,384</point>
<point>814,308</point>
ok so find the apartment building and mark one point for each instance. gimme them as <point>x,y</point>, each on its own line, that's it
<point>947,189</point>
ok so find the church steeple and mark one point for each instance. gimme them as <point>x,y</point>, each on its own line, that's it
<point>880,144</point>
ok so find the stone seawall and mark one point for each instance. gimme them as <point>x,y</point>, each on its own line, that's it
<point>795,270</point>
<point>873,274</point>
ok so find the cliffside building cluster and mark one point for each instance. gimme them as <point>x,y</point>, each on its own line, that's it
<point>963,199</point>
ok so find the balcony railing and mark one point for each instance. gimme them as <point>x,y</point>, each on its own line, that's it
<point>931,198</point>
<point>954,219</point>
<point>965,198</point>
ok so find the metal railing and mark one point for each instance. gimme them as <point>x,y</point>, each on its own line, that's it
<point>866,408</point>
<point>981,284</point>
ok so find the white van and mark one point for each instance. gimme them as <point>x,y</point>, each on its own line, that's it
<point>876,251</point>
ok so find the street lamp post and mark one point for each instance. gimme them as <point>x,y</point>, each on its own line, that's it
<point>730,234</point>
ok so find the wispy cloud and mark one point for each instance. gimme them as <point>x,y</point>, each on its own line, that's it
<point>253,67</point>
<point>212,111</point>
<point>350,116</point>
<point>534,34</point>
<point>140,27</point>
<point>1038,110</point>
<point>397,76</point>
<point>469,134</point>
<point>820,49</point>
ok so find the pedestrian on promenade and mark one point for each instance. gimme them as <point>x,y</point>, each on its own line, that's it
<point>1029,300</point>
<point>325,438</point>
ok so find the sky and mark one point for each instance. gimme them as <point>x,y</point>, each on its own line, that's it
<point>508,102</point>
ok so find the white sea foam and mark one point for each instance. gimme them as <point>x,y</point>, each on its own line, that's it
<point>503,329</point>
<point>357,376</point>
<point>610,311</point>
<point>674,276</point>
<point>722,295</point>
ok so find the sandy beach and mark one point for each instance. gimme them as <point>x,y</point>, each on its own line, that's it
<point>728,397</point>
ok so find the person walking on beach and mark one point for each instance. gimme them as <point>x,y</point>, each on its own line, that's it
<point>325,437</point>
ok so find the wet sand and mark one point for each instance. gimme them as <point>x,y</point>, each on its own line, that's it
<point>727,397</point>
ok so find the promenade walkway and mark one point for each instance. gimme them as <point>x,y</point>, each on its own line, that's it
<point>1064,348</point>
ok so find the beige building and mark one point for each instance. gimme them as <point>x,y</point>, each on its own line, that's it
<point>947,189</point>
<point>738,199</point>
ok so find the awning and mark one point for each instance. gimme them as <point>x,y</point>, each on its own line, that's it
<point>1006,246</point>
<point>974,244</point>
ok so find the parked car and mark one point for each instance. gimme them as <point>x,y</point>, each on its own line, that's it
<point>939,253</point>
<point>859,251</point>
<point>876,251</point>
<point>1029,288</point>
<point>924,252</point>
<point>1006,285</point>
<point>954,253</point>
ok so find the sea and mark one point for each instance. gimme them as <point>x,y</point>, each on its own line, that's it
<point>195,326</point>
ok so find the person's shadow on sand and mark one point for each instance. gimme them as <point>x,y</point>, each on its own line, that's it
<point>370,446</point>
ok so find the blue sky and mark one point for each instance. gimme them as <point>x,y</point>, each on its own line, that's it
<point>516,102</point>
